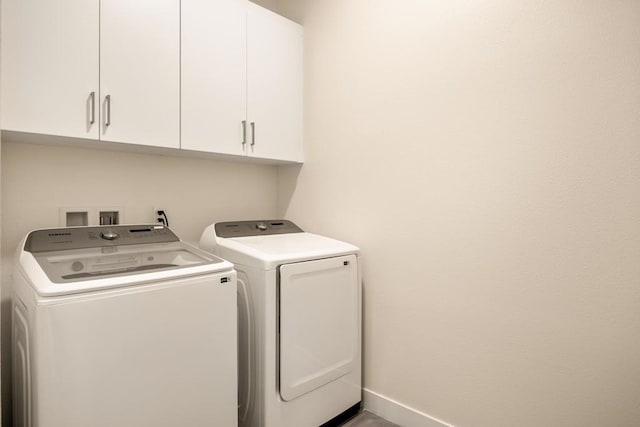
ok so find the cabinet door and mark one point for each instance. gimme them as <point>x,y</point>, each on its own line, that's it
<point>50,66</point>
<point>140,71</point>
<point>274,76</point>
<point>214,77</point>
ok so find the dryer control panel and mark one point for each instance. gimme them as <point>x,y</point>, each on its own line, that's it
<point>256,228</point>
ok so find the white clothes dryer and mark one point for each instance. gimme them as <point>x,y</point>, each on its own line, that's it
<point>122,326</point>
<point>299,297</point>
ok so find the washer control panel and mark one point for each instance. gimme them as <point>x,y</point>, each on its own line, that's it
<point>57,239</point>
<point>255,228</point>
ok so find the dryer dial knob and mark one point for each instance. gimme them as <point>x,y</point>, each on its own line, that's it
<point>109,235</point>
<point>261,226</point>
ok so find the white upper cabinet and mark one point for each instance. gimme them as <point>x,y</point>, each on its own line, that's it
<point>214,77</point>
<point>217,76</point>
<point>50,67</point>
<point>96,69</point>
<point>241,80</point>
<point>274,76</point>
<point>140,71</point>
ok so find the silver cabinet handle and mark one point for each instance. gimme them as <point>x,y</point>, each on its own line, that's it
<point>253,133</point>
<point>92,116</point>
<point>244,132</point>
<point>107,101</point>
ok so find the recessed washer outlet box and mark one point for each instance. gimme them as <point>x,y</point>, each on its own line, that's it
<point>80,216</point>
<point>109,217</point>
<point>76,219</point>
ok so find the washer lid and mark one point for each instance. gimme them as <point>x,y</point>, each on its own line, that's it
<point>269,251</point>
<point>73,260</point>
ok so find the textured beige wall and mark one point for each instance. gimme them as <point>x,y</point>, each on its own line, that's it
<point>37,180</point>
<point>486,158</point>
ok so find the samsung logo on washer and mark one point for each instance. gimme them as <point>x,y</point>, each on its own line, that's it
<point>59,234</point>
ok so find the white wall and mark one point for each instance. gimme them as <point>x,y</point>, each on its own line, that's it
<point>38,179</point>
<point>486,158</point>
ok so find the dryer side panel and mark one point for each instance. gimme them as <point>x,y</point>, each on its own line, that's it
<point>319,320</point>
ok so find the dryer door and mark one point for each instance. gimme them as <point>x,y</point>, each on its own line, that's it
<point>319,323</point>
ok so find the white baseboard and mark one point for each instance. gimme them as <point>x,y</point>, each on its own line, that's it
<point>398,413</point>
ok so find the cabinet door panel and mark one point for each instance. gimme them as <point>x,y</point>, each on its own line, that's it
<point>274,75</point>
<point>50,66</point>
<point>214,82</point>
<point>140,71</point>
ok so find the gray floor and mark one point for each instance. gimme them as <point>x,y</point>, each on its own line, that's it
<point>367,419</point>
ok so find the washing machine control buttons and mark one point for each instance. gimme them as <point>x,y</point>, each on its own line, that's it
<point>109,235</point>
<point>261,226</point>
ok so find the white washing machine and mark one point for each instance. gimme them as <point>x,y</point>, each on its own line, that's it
<point>122,326</point>
<point>299,323</point>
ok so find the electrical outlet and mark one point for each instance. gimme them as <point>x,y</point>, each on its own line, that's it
<point>160,216</point>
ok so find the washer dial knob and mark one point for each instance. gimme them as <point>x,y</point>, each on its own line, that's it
<point>261,226</point>
<point>109,235</point>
